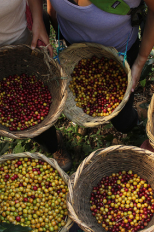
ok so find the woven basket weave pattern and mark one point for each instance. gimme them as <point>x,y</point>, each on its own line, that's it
<point>51,162</point>
<point>98,164</point>
<point>21,59</point>
<point>150,122</point>
<point>69,58</point>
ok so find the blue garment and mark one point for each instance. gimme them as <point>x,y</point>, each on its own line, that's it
<point>90,24</point>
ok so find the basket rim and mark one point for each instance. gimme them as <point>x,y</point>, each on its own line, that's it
<point>106,152</point>
<point>52,162</point>
<point>33,155</point>
<point>149,124</point>
<point>74,178</point>
<point>30,133</point>
<point>95,121</point>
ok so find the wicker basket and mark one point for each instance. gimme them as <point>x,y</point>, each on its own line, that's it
<point>104,162</point>
<point>21,59</point>
<point>69,58</point>
<point>50,161</point>
<point>150,122</point>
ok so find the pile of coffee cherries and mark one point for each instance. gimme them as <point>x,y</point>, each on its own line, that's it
<point>122,202</point>
<point>32,194</point>
<point>99,85</point>
<point>24,101</point>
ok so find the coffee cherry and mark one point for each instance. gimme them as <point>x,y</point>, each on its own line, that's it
<point>32,194</point>
<point>98,85</point>
<point>122,202</point>
<point>18,219</point>
<point>24,102</point>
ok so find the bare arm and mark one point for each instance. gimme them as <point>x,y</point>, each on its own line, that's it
<point>38,29</point>
<point>52,13</point>
<point>147,44</point>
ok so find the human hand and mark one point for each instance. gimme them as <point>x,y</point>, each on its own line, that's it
<point>137,70</point>
<point>39,33</point>
<point>136,73</point>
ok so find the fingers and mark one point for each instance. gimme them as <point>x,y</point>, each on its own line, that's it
<point>41,43</point>
<point>134,84</point>
<point>133,88</point>
<point>49,47</point>
<point>34,41</point>
<point>135,79</point>
<point>45,39</point>
<point>50,50</point>
<point>37,43</point>
<point>136,71</point>
<point>40,38</point>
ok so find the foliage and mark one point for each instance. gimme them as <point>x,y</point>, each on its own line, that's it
<point>137,136</point>
<point>5,227</point>
<point>14,146</point>
<point>88,142</point>
<point>4,147</point>
<point>145,105</point>
<point>78,144</point>
<point>147,69</point>
<point>143,82</point>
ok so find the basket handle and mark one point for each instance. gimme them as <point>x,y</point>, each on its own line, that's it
<point>49,60</point>
<point>115,51</point>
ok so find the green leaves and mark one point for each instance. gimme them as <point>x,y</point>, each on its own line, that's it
<point>2,228</point>
<point>108,126</point>
<point>144,105</point>
<point>143,83</point>
<point>3,147</point>
<point>136,136</point>
<point>5,227</point>
<point>146,69</point>
<point>87,149</point>
<point>19,147</point>
<point>152,79</point>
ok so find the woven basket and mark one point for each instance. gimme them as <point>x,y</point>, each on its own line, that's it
<point>21,59</point>
<point>150,122</point>
<point>69,58</point>
<point>98,164</point>
<point>50,161</point>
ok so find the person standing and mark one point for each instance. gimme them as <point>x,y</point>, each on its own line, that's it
<point>14,31</point>
<point>83,21</point>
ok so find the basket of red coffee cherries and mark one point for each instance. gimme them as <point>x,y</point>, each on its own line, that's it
<point>99,83</point>
<point>32,91</point>
<point>112,190</point>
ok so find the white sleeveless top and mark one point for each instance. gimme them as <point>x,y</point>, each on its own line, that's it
<point>12,20</point>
